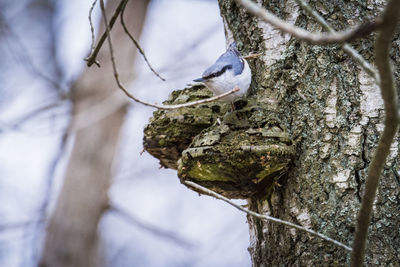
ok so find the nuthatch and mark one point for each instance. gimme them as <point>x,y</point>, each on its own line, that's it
<point>229,71</point>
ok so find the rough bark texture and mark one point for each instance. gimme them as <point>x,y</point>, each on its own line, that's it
<point>331,109</point>
<point>171,131</point>
<point>334,111</point>
<point>198,141</point>
<point>71,239</point>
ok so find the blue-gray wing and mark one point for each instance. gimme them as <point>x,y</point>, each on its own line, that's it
<point>231,59</point>
<point>217,69</point>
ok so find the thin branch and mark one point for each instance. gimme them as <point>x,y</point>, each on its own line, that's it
<point>346,47</point>
<point>127,93</point>
<point>186,49</point>
<point>251,56</point>
<point>362,62</point>
<point>141,51</point>
<point>109,105</point>
<point>91,59</point>
<point>30,115</point>
<point>95,50</point>
<point>390,17</point>
<point>16,225</point>
<point>266,217</point>
<point>157,231</point>
<point>315,15</point>
<point>91,25</point>
<point>304,35</point>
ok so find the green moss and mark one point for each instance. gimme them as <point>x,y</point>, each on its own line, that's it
<point>237,160</point>
<point>171,131</point>
<point>210,172</point>
<point>238,157</point>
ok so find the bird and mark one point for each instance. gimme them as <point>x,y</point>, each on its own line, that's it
<point>229,71</point>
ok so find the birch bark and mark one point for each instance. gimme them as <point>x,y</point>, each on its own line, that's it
<point>333,109</point>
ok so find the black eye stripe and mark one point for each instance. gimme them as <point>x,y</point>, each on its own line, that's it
<point>218,73</point>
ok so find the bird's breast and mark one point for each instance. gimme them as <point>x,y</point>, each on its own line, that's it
<point>228,81</point>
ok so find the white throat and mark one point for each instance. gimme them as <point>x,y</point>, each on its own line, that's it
<point>227,81</point>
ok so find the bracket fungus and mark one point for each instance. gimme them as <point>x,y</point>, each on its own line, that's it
<point>171,131</point>
<point>237,154</point>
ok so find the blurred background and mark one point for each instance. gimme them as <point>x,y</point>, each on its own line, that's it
<point>43,44</point>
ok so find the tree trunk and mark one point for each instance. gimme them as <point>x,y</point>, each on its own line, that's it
<point>334,112</point>
<point>98,115</point>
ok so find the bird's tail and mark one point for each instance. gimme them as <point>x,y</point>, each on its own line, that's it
<point>199,80</point>
<point>232,46</point>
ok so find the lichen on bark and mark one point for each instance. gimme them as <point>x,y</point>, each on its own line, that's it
<point>237,155</point>
<point>332,107</point>
<point>243,155</point>
<point>171,131</point>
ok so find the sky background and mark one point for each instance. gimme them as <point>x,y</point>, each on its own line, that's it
<point>181,38</point>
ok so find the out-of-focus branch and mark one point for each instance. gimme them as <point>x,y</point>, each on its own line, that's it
<point>157,231</point>
<point>390,19</point>
<point>22,55</point>
<point>72,230</point>
<point>304,35</point>
<point>17,225</point>
<point>30,115</point>
<point>127,93</point>
<point>346,47</point>
<point>266,217</point>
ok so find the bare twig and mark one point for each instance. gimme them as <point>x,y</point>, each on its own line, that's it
<point>141,51</point>
<point>91,25</point>
<point>266,217</point>
<point>184,52</point>
<point>390,17</point>
<point>127,93</point>
<point>304,35</point>
<point>315,15</point>
<point>252,55</point>
<point>346,47</point>
<point>91,59</point>
<point>119,11</point>
<point>362,62</point>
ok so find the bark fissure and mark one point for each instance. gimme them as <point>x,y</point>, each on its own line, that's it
<point>334,139</point>
<point>332,109</point>
<point>396,174</point>
<point>363,167</point>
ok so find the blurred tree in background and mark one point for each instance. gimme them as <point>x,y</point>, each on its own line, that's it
<point>72,231</point>
<point>330,105</point>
